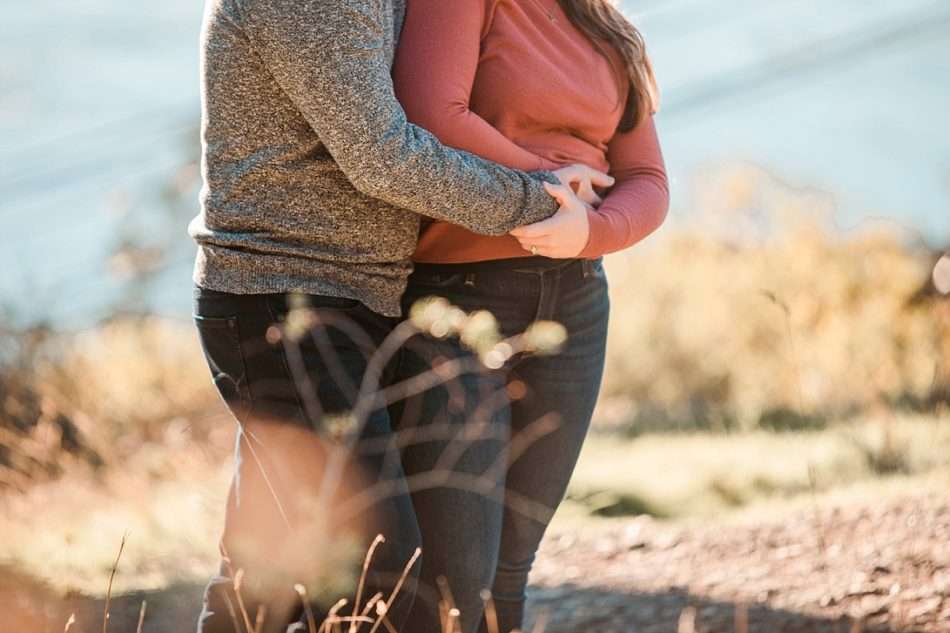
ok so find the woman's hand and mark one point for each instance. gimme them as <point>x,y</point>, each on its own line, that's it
<point>582,180</point>
<point>564,234</point>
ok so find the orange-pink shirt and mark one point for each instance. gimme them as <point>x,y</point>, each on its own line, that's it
<point>515,82</point>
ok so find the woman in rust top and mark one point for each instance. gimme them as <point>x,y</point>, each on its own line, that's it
<point>531,84</point>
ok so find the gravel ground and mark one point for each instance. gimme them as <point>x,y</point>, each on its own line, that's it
<point>872,567</point>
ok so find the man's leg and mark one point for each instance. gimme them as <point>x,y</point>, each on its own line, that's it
<point>302,509</point>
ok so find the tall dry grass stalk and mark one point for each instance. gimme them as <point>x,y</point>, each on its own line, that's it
<point>115,568</point>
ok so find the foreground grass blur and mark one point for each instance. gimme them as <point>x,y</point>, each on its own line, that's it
<point>66,532</point>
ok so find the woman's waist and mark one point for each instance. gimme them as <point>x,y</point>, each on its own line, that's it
<point>561,147</point>
<point>445,244</point>
<point>517,291</point>
<point>527,264</point>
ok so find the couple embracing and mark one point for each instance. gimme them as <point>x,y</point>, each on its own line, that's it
<point>358,156</point>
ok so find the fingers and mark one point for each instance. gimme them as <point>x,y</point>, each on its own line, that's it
<point>599,178</point>
<point>561,193</point>
<point>547,249</point>
<point>582,173</point>
<point>539,247</point>
<point>536,230</point>
<point>562,235</point>
<point>587,194</point>
<point>538,244</point>
<point>581,180</point>
<point>565,196</point>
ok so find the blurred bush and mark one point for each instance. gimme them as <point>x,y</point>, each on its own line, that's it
<point>98,396</point>
<point>760,313</point>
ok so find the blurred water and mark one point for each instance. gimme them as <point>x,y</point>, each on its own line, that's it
<point>99,99</point>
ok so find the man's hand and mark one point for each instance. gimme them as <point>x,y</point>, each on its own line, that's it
<point>564,234</point>
<point>582,180</point>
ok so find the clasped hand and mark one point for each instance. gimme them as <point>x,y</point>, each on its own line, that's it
<point>565,234</point>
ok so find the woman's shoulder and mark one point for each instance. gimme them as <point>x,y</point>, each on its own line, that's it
<point>464,14</point>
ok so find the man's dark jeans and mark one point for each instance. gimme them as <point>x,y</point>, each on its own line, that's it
<point>544,403</point>
<point>280,389</point>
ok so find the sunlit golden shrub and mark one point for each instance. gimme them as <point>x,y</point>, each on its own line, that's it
<point>760,309</point>
<point>99,395</point>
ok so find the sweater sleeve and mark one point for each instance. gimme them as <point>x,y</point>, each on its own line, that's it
<point>434,74</point>
<point>638,202</point>
<point>331,59</point>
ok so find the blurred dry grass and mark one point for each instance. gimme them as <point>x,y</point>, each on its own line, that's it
<point>99,397</point>
<point>759,314</point>
<point>702,475</point>
<point>133,400</point>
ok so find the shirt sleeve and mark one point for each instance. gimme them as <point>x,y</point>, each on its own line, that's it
<point>638,202</point>
<point>434,74</point>
<point>331,59</point>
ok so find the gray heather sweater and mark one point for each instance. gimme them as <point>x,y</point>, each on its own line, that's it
<point>314,180</point>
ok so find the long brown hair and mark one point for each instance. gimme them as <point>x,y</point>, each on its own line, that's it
<point>602,22</point>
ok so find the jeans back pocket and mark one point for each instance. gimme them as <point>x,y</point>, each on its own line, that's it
<point>221,342</point>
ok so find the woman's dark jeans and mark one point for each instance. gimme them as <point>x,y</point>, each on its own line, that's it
<point>543,403</point>
<point>280,390</point>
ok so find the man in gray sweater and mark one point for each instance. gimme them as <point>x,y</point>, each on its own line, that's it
<point>314,180</point>
<point>314,184</point>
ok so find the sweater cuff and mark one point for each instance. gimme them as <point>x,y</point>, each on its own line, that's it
<point>546,176</point>
<point>540,204</point>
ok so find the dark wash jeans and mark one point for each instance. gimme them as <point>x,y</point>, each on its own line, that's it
<point>479,519</point>
<point>279,393</point>
<point>469,537</point>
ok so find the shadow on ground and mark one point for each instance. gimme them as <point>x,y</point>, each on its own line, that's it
<point>571,609</point>
<point>29,606</point>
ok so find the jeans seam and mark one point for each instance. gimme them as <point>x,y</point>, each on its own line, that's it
<point>282,353</point>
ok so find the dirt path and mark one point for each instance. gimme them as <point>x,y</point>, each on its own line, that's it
<point>888,564</point>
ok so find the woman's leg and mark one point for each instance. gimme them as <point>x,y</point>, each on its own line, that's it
<point>460,429</point>
<point>564,386</point>
<point>278,529</point>
<point>454,456</point>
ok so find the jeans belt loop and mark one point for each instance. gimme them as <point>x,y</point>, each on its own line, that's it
<point>588,268</point>
<point>470,279</point>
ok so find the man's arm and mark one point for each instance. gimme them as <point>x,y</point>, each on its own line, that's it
<point>330,57</point>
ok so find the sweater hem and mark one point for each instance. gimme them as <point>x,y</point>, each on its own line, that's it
<point>236,272</point>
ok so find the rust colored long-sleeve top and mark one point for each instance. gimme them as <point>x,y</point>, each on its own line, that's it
<point>515,82</point>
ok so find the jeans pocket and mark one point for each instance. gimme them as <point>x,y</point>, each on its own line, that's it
<point>221,342</point>
<point>326,302</point>
<point>429,281</point>
<point>449,286</point>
